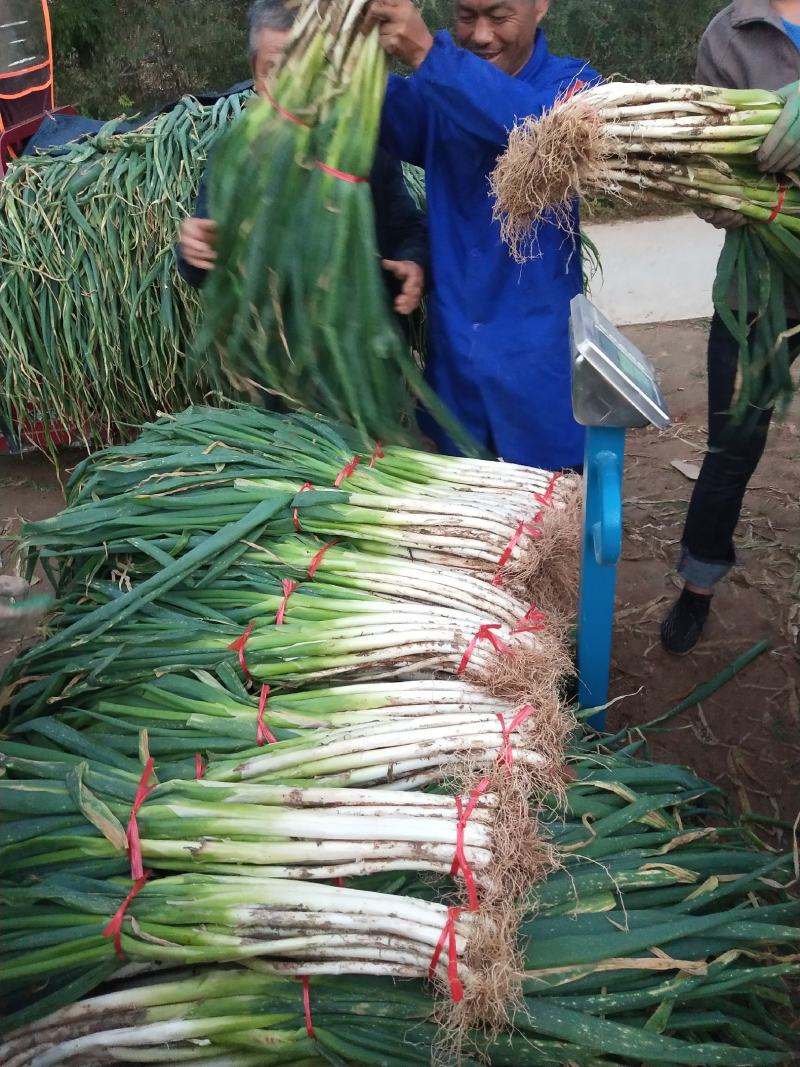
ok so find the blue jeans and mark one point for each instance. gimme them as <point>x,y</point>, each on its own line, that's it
<point>732,458</point>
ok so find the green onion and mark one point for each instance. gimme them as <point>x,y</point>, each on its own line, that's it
<point>306,321</point>
<point>95,321</point>
<point>691,143</point>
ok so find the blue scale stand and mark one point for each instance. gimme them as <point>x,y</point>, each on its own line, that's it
<point>614,389</point>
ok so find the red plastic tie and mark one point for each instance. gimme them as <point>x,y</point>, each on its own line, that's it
<point>199,767</point>
<point>377,453</point>
<point>264,736</point>
<point>307,1007</point>
<point>506,757</point>
<point>576,87</point>
<point>348,471</point>
<point>448,937</point>
<point>506,556</point>
<point>239,645</point>
<point>114,928</point>
<point>547,500</point>
<point>143,791</point>
<point>779,206</point>
<point>288,588</point>
<point>485,633</point>
<point>315,562</point>
<point>460,862</point>
<point>533,621</point>
<point>343,175</point>
<point>302,489</point>
<point>339,883</point>
<point>283,113</point>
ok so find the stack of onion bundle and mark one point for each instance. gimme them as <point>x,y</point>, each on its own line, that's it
<point>692,143</point>
<point>284,632</point>
<point>664,940</point>
<point>237,849</point>
<point>197,612</point>
<point>95,321</point>
<point>202,535</point>
<point>206,467</point>
<point>298,312</point>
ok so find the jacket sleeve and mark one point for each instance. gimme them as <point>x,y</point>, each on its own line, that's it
<point>482,100</point>
<point>195,276</point>
<point>404,121</point>
<point>402,230</point>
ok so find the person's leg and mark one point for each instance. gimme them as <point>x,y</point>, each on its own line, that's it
<point>707,551</point>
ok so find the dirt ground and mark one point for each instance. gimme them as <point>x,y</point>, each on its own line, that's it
<point>746,737</point>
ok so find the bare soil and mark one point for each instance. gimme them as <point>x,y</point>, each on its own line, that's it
<point>746,737</point>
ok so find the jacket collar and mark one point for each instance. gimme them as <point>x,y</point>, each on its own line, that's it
<point>746,11</point>
<point>539,57</point>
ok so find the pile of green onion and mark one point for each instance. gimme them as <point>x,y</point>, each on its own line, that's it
<point>692,143</point>
<point>217,526</point>
<point>268,799</point>
<point>665,939</point>
<point>245,708</point>
<point>95,321</point>
<point>297,314</point>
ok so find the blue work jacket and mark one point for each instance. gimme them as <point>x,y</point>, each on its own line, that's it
<point>499,350</point>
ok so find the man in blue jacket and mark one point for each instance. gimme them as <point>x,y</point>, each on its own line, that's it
<point>499,353</point>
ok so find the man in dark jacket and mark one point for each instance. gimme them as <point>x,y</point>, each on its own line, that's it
<point>400,226</point>
<point>751,44</point>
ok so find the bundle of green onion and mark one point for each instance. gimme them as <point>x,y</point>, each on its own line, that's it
<point>204,468</point>
<point>64,814</point>
<point>665,939</point>
<point>296,311</point>
<point>95,321</point>
<point>692,143</point>
<point>205,543</point>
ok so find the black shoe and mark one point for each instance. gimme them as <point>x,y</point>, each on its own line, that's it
<point>683,627</point>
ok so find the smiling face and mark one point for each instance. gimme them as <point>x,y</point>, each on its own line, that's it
<point>502,32</point>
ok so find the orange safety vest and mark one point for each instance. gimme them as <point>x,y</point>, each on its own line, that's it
<point>26,61</point>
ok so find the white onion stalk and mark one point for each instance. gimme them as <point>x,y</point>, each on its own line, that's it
<point>278,926</point>
<point>201,704</point>
<point>390,577</point>
<point>310,834</point>
<point>375,754</point>
<point>600,140</point>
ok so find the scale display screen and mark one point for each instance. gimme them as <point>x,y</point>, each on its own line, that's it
<point>614,384</point>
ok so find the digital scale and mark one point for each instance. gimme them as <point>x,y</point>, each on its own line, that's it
<point>614,389</point>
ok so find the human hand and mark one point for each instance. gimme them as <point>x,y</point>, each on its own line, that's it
<point>402,30</point>
<point>197,240</point>
<point>780,151</point>
<point>412,279</point>
<point>721,218</point>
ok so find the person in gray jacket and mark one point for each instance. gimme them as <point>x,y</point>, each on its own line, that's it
<point>751,44</point>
